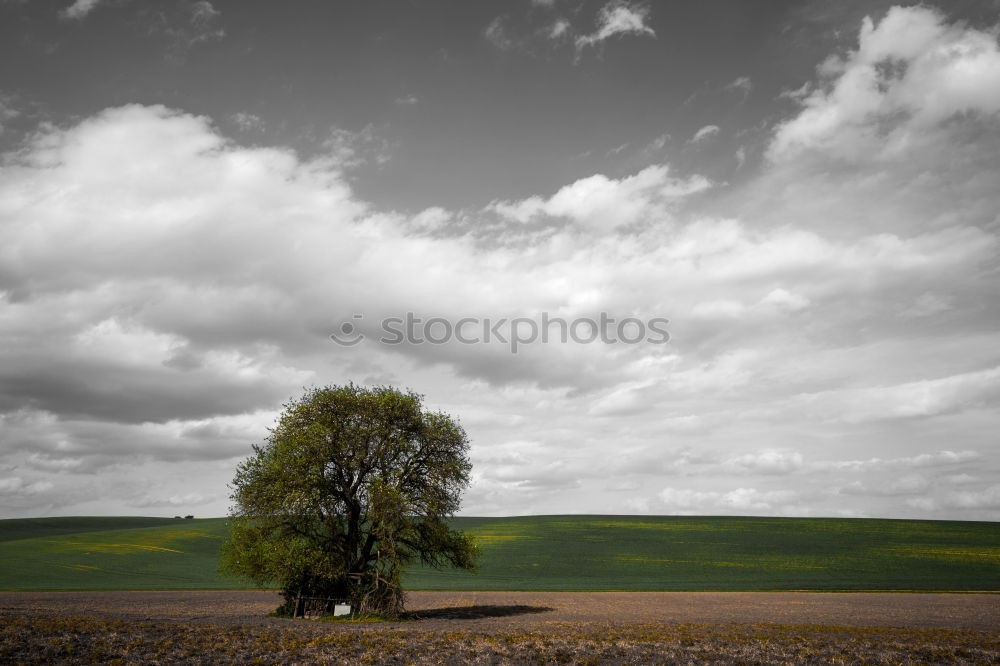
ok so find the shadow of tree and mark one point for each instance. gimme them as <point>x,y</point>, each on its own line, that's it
<point>472,612</point>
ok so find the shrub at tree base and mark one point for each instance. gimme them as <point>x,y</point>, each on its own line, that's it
<point>352,485</point>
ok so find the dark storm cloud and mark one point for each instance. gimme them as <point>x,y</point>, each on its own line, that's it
<point>101,392</point>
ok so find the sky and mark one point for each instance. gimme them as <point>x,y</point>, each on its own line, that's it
<point>761,239</point>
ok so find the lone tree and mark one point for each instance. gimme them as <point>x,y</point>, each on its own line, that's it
<point>352,484</point>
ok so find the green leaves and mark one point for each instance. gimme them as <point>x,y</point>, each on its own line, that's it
<point>352,484</point>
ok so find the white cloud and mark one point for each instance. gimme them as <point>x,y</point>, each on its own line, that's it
<point>79,9</point>
<point>431,219</point>
<point>939,459</point>
<point>248,121</point>
<point>960,479</point>
<point>742,85</point>
<point>926,305</point>
<point>922,398</point>
<point>7,109</point>
<point>497,34</point>
<point>618,18</point>
<point>704,133</point>
<point>775,301</point>
<point>188,500</point>
<point>623,400</point>
<point>559,28</point>
<point>185,26</point>
<point>726,372</point>
<point>718,309</point>
<point>739,500</point>
<point>688,499</point>
<point>768,461</point>
<point>987,498</point>
<point>909,485</point>
<point>352,149</point>
<point>977,501</point>
<point>784,299</point>
<point>129,344</point>
<point>911,72</point>
<point>202,13</point>
<point>657,144</point>
<point>603,203</point>
<point>15,485</point>
<point>741,157</point>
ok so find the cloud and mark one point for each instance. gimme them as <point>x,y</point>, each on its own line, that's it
<point>618,18</point>
<point>50,463</point>
<point>909,485</point>
<point>704,133</point>
<point>406,100</point>
<point>739,500</point>
<point>926,304</point>
<point>248,122</point>
<point>205,175</point>
<point>523,33</point>
<point>352,149</point>
<point>8,111</point>
<point>602,203</point>
<point>497,35</point>
<point>980,502</point>
<point>742,85</point>
<point>913,484</point>
<point>741,157</point>
<point>768,461</point>
<point>784,300</point>
<point>657,144</point>
<point>559,28</point>
<point>163,288</point>
<point>622,401</point>
<point>917,399</point>
<point>187,26</point>
<point>80,9</point>
<point>188,500</point>
<point>203,13</point>
<point>987,498</point>
<point>911,71</point>
<point>15,485</point>
<point>154,363</point>
<point>938,459</point>
<point>62,443</point>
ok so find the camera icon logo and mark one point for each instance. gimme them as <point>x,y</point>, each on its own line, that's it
<point>348,334</point>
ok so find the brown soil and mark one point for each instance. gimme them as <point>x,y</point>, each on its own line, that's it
<point>224,627</point>
<point>491,611</point>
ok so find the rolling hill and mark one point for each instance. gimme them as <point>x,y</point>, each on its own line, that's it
<point>547,553</point>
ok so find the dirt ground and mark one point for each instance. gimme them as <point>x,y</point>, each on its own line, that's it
<point>227,627</point>
<point>526,610</point>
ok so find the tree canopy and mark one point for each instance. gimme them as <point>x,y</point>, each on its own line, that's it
<point>351,485</point>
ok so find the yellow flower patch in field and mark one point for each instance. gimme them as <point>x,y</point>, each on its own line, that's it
<point>104,547</point>
<point>630,524</point>
<point>986,555</point>
<point>701,562</point>
<point>503,532</point>
<point>141,540</point>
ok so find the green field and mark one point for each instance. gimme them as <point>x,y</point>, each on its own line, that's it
<point>141,554</point>
<point>547,553</point>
